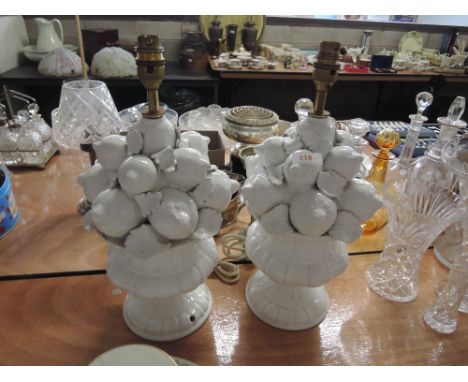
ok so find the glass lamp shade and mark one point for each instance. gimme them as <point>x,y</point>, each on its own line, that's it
<point>86,113</point>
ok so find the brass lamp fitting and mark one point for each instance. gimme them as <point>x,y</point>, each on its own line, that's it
<point>151,70</point>
<point>325,74</point>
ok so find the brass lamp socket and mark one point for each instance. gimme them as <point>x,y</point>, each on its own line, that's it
<point>151,70</point>
<point>325,74</point>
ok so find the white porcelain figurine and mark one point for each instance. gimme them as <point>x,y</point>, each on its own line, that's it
<point>307,204</point>
<point>158,202</point>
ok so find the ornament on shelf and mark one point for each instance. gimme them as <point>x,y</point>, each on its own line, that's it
<point>158,203</point>
<point>113,62</point>
<point>301,189</point>
<point>61,62</point>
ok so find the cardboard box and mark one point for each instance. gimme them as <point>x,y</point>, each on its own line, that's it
<point>216,150</point>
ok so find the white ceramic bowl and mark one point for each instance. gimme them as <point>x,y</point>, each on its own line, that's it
<point>35,55</point>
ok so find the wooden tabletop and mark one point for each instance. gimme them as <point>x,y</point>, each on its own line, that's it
<point>71,320</point>
<point>57,307</point>
<point>50,238</point>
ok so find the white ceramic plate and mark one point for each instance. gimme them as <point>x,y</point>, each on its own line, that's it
<point>35,55</point>
<point>134,355</point>
<point>411,42</point>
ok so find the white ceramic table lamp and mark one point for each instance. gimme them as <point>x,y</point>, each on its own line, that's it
<point>158,202</point>
<point>307,204</point>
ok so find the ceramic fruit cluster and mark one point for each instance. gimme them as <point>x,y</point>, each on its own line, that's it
<point>158,202</point>
<point>301,189</point>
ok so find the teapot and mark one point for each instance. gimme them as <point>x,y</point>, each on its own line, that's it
<point>47,39</point>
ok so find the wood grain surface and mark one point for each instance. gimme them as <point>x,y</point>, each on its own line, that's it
<point>71,320</point>
<point>49,236</point>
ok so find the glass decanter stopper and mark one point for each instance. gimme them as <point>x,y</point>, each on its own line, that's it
<point>33,110</point>
<point>386,140</point>
<point>302,107</point>
<point>358,128</point>
<point>423,101</point>
<point>429,168</point>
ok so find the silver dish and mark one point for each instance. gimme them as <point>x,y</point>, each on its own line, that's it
<point>29,158</point>
<point>250,124</point>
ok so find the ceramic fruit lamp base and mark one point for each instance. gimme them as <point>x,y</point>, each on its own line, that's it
<point>287,292</point>
<point>158,203</point>
<point>302,191</point>
<point>168,298</point>
<point>305,210</point>
<point>170,318</point>
<point>286,307</point>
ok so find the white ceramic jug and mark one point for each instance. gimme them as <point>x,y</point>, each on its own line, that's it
<point>47,39</point>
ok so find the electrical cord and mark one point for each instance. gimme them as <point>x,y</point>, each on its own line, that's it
<point>233,246</point>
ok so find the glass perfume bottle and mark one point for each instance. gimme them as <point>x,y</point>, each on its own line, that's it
<point>423,101</point>
<point>386,139</point>
<point>430,167</point>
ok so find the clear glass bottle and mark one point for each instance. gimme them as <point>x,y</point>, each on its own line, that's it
<point>430,167</point>
<point>423,100</point>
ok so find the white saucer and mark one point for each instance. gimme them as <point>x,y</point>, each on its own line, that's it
<point>35,55</point>
<point>134,355</point>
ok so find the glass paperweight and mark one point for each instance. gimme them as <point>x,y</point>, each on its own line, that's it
<point>86,113</point>
<point>417,213</point>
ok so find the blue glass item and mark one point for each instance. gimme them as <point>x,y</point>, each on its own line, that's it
<point>9,213</point>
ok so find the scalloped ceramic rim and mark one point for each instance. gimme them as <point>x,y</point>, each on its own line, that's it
<point>415,38</point>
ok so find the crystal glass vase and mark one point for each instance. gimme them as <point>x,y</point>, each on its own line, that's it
<point>417,213</point>
<point>442,315</point>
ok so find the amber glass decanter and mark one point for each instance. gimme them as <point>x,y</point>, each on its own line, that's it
<point>386,139</point>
